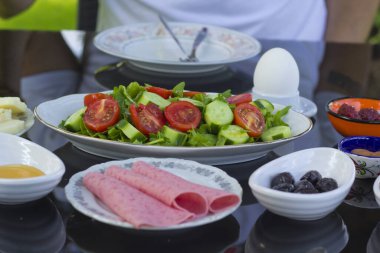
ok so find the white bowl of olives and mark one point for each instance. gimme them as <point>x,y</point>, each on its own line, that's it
<point>304,185</point>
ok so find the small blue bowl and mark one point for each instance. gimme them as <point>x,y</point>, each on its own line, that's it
<point>366,166</point>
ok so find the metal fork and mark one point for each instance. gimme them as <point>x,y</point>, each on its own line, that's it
<point>198,39</point>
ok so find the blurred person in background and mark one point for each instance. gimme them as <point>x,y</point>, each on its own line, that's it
<point>50,70</point>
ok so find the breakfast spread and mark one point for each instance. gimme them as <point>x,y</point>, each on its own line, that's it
<point>148,196</point>
<point>12,110</point>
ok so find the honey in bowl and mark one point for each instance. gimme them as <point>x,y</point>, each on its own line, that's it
<point>15,171</point>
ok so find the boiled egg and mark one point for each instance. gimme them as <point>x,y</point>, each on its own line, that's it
<point>276,74</point>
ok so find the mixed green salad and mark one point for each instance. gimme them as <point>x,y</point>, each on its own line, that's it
<point>144,114</point>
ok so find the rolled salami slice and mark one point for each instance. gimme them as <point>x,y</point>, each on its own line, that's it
<point>171,195</point>
<point>132,205</point>
<point>218,200</point>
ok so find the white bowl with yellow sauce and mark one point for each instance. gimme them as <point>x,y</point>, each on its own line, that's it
<point>27,170</point>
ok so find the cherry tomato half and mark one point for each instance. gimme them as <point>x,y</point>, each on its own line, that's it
<point>147,118</point>
<point>239,99</point>
<point>101,114</point>
<point>165,93</point>
<point>92,97</point>
<point>183,115</point>
<point>191,93</point>
<point>156,112</point>
<point>250,118</point>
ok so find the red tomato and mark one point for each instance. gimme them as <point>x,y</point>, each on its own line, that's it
<point>92,97</point>
<point>191,93</point>
<point>146,118</point>
<point>156,112</point>
<point>239,99</point>
<point>101,114</point>
<point>183,115</point>
<point>250,118</point>
<point>165,93</point>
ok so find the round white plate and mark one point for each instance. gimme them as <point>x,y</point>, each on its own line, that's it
<point>51,114</point>
<point>149,46</point>
<point>85,202</point>
<point>307,107</point>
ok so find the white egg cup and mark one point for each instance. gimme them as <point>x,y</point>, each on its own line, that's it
<point>276,78</point>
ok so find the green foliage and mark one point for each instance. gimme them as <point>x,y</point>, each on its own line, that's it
<point>374,38</point>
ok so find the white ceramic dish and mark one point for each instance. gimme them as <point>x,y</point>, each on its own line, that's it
<point>51,113</point>
<point>149,46</point>
<point>376,190</point>
<point>329,162</point>
<point>17,150</point>
<point>307,107</point>
<point>85,202</point>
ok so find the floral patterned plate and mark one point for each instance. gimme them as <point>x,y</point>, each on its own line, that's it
<point>85,202</point>
<point>361,194</point>
<point>149,46</point>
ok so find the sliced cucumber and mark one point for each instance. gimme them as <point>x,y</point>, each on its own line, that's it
<point>218,114</point>
<point>262,109</point>
<point>276,133</point>
<point>176,138</point>
<point>73,122</point>
<point>202,140</point>
<point>264,105</point>
<point>197,103</point>
<point>130,131</point>
<point>147,97</point>
<point>233,134</point>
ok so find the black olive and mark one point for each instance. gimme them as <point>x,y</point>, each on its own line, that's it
<point>285,187</point>
<point>305,186</point>
<point>312,176</point>
<point>284,177</point>
<point>326,184</point>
